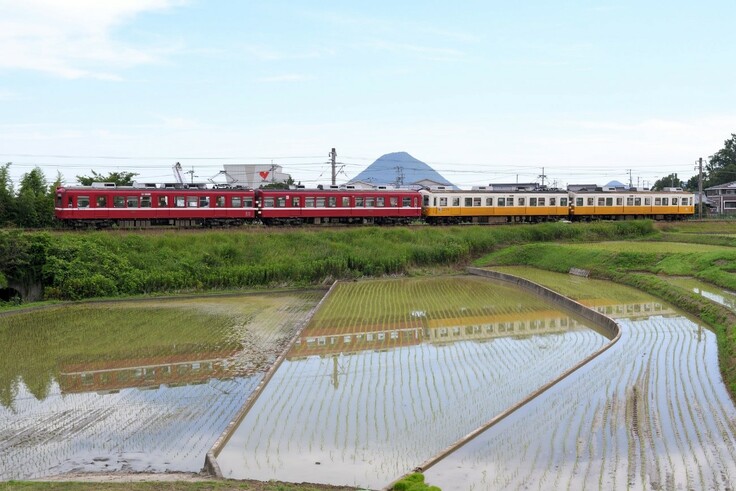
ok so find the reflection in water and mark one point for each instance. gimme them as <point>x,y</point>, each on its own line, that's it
<point>719,295</point>
<point>360,402</point>
<point>135,386</point>
<point>651,412</point>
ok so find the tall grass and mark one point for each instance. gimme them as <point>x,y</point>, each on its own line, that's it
<point>107,264</point>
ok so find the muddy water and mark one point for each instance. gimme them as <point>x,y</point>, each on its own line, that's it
<point>722,296</point>
<point>376,386</point>
<point>652,412</point>
<point>138,386</point>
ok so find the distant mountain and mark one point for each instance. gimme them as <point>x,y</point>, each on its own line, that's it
<point>615,184</point>
<point>400,167</point>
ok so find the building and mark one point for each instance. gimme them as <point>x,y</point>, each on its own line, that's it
<point>722,197</point>
<point>255,175</point>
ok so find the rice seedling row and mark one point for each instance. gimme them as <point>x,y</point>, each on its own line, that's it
<point>652,412</point>
<point>346,409</point>
<point>155,385</point>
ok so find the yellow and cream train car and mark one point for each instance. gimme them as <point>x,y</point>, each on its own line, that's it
<point>448,206</point>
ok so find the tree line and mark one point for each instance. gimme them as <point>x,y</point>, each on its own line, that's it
<point>719,169</point>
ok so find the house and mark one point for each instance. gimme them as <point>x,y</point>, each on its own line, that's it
<point>254,176</point>
<point>722,197</point>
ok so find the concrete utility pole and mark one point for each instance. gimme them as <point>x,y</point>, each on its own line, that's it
<point>543,177</point>
<point>700,188</point>
<point>333,156</point>
<point>399,176</point>
<point>631,181</point>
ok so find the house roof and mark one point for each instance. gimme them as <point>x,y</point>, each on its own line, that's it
<point>728,185</point>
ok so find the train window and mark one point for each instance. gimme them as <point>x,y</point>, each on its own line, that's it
<point>510,201</point>
<point>381,201</point>
<point>393,201</point>
<point>426,201</point>
<point>601,201</point>
<point>609,201</point>
<point>455,201</point>
<point>468,201</point>
<point>346,201</point>
<point>145,201</point>
<point>281,202</point>
<point>591,201</point>
<point>553,202</point>
<point>522,201</point>
<point>220,201</point>
<point>192,201</point>
<point>370,202</point>
<point>630,201</point>
<point>541,201</point>
<point>204,201</point>
<point>102,202</point>
<point>248,203</point>
<point>647,201</point>
<point>132,201</point>
<point>320,202</point>
<point>359,201</point>
<point>665,201</point>
<point>532,201</point>
<point>501,202</point>
<point>83,201</point>
<point>434,201</point>
<point>268,202</point>
<point>489,201</point>
<point>236,201</point>
<point>476,201</point>
<point>578,201</point>
<point>118,202</point>
<point>563,201</point>
<point>637,201</point>
<point>674,201</point>
<point>59,201</point>
<point>309,202</point>
<point>163,201</point>
<point>657,201</point>
<point>407,201</point>
<point>332,202</point>
<point>443,201</point>
<point>295,202</point>
<point>619,201</point>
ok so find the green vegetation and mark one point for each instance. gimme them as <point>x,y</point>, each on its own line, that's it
<point>414,482</point>
<point>108,264</point>
<point>634,265</point>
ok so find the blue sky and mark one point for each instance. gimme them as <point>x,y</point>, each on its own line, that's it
<point>483,91</point>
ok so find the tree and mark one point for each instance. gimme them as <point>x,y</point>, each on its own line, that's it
<point>692,184</point>
<point>32,204</point>
<point>7,196</point>
<point>279,185</point>
<point>671,181</point>
<point>119,178</point>
<point>722,165</point>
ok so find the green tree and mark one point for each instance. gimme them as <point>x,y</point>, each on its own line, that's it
<point>692,184</point>
<point>279,185</point>
<point>7,196</point>
<point>671,181</point>
<point>722,165</point>
<point>119,178</point>
<point>32,204</point>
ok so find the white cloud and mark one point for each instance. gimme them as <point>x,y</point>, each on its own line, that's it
<point>72,38</point>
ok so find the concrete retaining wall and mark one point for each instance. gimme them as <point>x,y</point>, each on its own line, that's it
<point>607,324</point>
<point>210,461</point>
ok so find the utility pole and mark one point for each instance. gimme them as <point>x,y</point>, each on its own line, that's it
<point>542,177</point>
<point>631,181</point>
<point>700,188</point>
<point>399,176</point>
<point>333,156</point>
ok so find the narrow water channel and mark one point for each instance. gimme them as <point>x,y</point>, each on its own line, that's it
<point>392,372</point>
<point>650,413</point>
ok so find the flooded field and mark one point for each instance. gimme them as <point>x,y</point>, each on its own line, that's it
<point>389,373</point>
<point>139,386</point>
<point>652,412</point>
<point>712,292</point>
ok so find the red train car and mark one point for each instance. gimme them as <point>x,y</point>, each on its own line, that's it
<point>147,205</point>
<point>341,205</point>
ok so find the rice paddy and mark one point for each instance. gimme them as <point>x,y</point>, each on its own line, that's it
<point>133,386</point>
<point>652,247</point>
<point>651,412</point>
<point>719,295</point>
<point>389,373</point>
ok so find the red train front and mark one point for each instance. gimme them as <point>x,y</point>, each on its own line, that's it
<point>338,205</point>
<point>105,205</point>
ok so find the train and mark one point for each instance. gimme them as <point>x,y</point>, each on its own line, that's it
<point>105,205</point>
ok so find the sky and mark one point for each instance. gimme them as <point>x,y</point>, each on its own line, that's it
<point>484,91</point>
